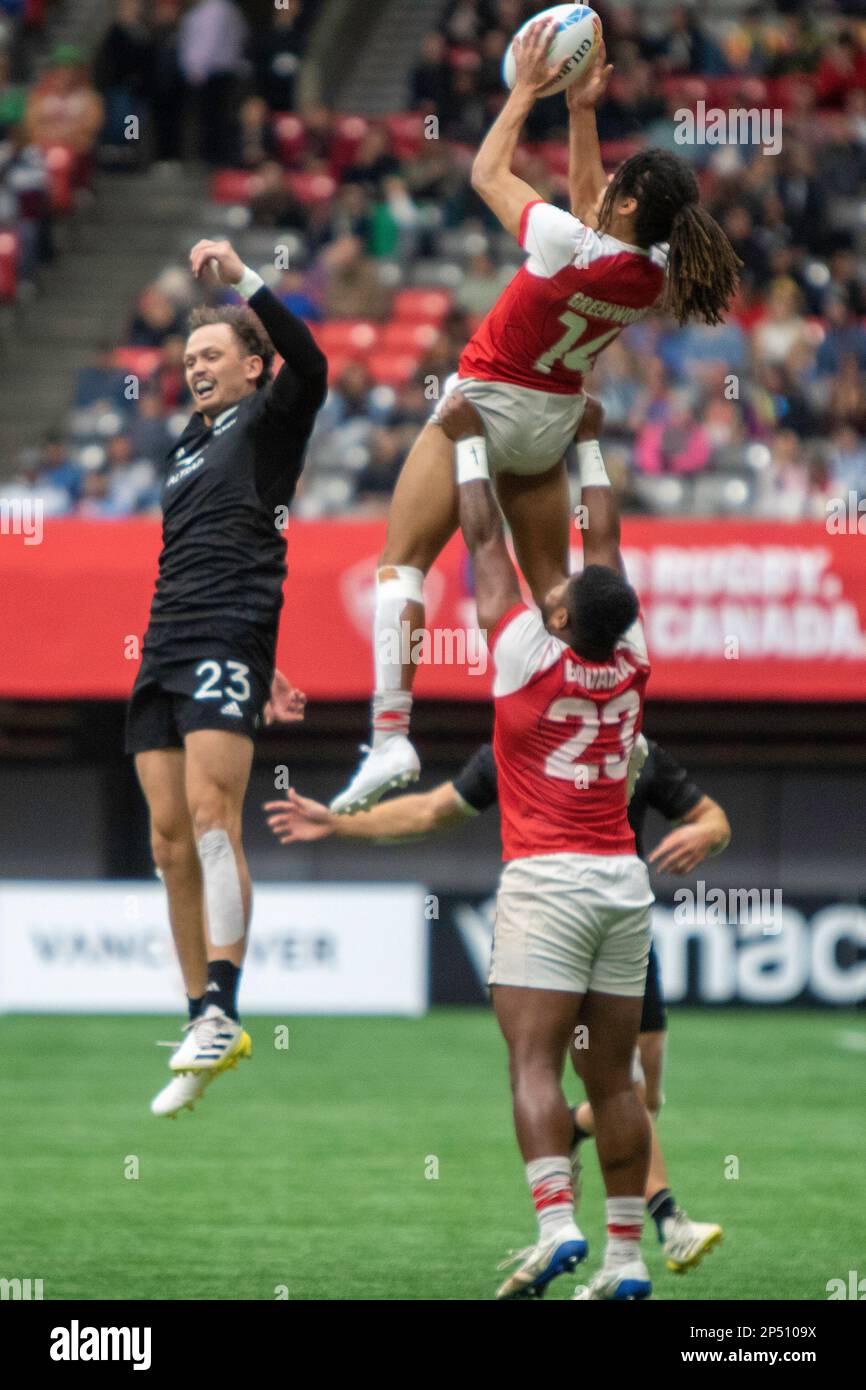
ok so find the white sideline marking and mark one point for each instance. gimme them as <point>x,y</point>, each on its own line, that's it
<point>852,1042</point>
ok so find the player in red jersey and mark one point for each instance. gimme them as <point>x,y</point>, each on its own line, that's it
<point>588,273</point>
<point>572,933</point>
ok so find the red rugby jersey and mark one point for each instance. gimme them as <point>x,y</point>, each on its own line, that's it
<point>574,294</point>
<point>564,731</point>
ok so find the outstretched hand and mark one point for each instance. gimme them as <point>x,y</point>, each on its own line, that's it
<point>533,72</point>
<point>586,93</point>
<point>287,704</point>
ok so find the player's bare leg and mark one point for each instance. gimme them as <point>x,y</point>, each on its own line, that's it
<point>622,1132</point>
<point>537,1025</point>
<point>216,772</point>
<point>538,511</point>
<point>685,1242</point>
<point>161,774</point>
<point>422,519</point>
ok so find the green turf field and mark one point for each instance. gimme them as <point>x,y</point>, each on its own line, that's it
<point>306,1167</point>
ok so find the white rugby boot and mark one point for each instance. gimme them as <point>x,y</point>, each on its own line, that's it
<point>620,1284</point>
<point>686,1242</point>
<point>393,764</point>
<point>181,1093</point>
<point>213,1043</point>
<point>541,1263</point>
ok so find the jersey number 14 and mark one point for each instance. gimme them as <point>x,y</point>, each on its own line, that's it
<point>574,355</point>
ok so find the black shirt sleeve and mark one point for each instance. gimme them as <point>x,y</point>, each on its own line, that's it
<point>669,788</point>
<point>476,782</point>
<point>285,422</point>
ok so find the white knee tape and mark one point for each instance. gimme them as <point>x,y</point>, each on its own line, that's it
<point>406,582</point>
<point>222,888</point>
<point>637,1074</point>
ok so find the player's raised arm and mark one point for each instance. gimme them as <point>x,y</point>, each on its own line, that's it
<point>496,586</point>
<point>601,529</point>
<point>299,387</point>
<point>587,180</point>
<point>504,193</point>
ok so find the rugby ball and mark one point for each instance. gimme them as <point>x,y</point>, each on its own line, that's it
<point>573,46</point>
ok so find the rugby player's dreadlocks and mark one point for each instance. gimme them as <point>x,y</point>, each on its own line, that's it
<point>702,264</point>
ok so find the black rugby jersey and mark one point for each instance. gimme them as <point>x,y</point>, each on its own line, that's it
<point>223,555</point>
<point>662,783</point>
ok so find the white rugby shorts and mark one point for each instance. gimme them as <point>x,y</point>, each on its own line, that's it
<point>573,922</point>
<point>527,431</point>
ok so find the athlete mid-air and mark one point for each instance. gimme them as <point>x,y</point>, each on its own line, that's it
<point>208,658</point>
<point>642,238</point>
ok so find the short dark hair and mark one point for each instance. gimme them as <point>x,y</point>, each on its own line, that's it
<point>248,329</point>
<point>601,606</point>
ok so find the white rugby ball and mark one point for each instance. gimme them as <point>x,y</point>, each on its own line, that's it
<point>572,48</point>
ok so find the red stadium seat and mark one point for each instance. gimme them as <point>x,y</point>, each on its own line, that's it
<point>421,306</point>
<point>312,187</point>
<point>337,361</point>
<point>8,266</point>
<point>685,88</point>
<point>140,361</point>
<point>405,133</point>
<point>402,336</point>
<point>348,135</point>
<point>232,186</point>
<point>290,136</point>
<point>348,336</point>
<point>391,368</point>
<point>60,166</point>
<point>737,90</point>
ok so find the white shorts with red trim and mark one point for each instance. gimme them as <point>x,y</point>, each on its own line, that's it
<point>527,431</point>
<point>573,922</point>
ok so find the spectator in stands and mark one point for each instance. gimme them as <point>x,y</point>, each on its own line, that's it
<point>166,87</point>
<point>276,57</point>
<point>679,444</point>
<point>25,204</point>
<point>430,81</point>
<point>845,337</point>
<point>292,292</point>
<point>482,284</point>
<point>169,379</point>
<point>374,163</point>
<point>13,97</point>
<point>211,44</point>
<point>271,203</point>
<point>156,319</point>
<point>394,222</point>
<point>352,288</point>
<point>254,142</point>
<point>132,484</point>
<point>55,470</point>
<point>64,108</point>
<point>847,462</point>
<point>122,69</point>
<point>149,434</point>
<point>101,383</point>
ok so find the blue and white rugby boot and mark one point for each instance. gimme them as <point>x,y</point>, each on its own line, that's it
<point>541,1263</point>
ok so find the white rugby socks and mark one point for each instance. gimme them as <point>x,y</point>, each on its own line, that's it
<point>624,1226</point>
<point>396,585</point>
<point>552,1192</point>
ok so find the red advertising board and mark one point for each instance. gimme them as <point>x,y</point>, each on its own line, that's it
<point>734,610</point>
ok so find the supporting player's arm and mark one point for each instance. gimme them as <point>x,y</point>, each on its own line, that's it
<point>601,529</point>
<point>705,830</point>
<point>504,193</point>
<point>496,586</point>
<point>298,819</point>
<point>586,177</point>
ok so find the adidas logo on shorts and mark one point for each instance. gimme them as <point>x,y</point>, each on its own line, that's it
<point>231,707</point>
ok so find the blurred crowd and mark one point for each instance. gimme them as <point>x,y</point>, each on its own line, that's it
<point>765,415</point>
